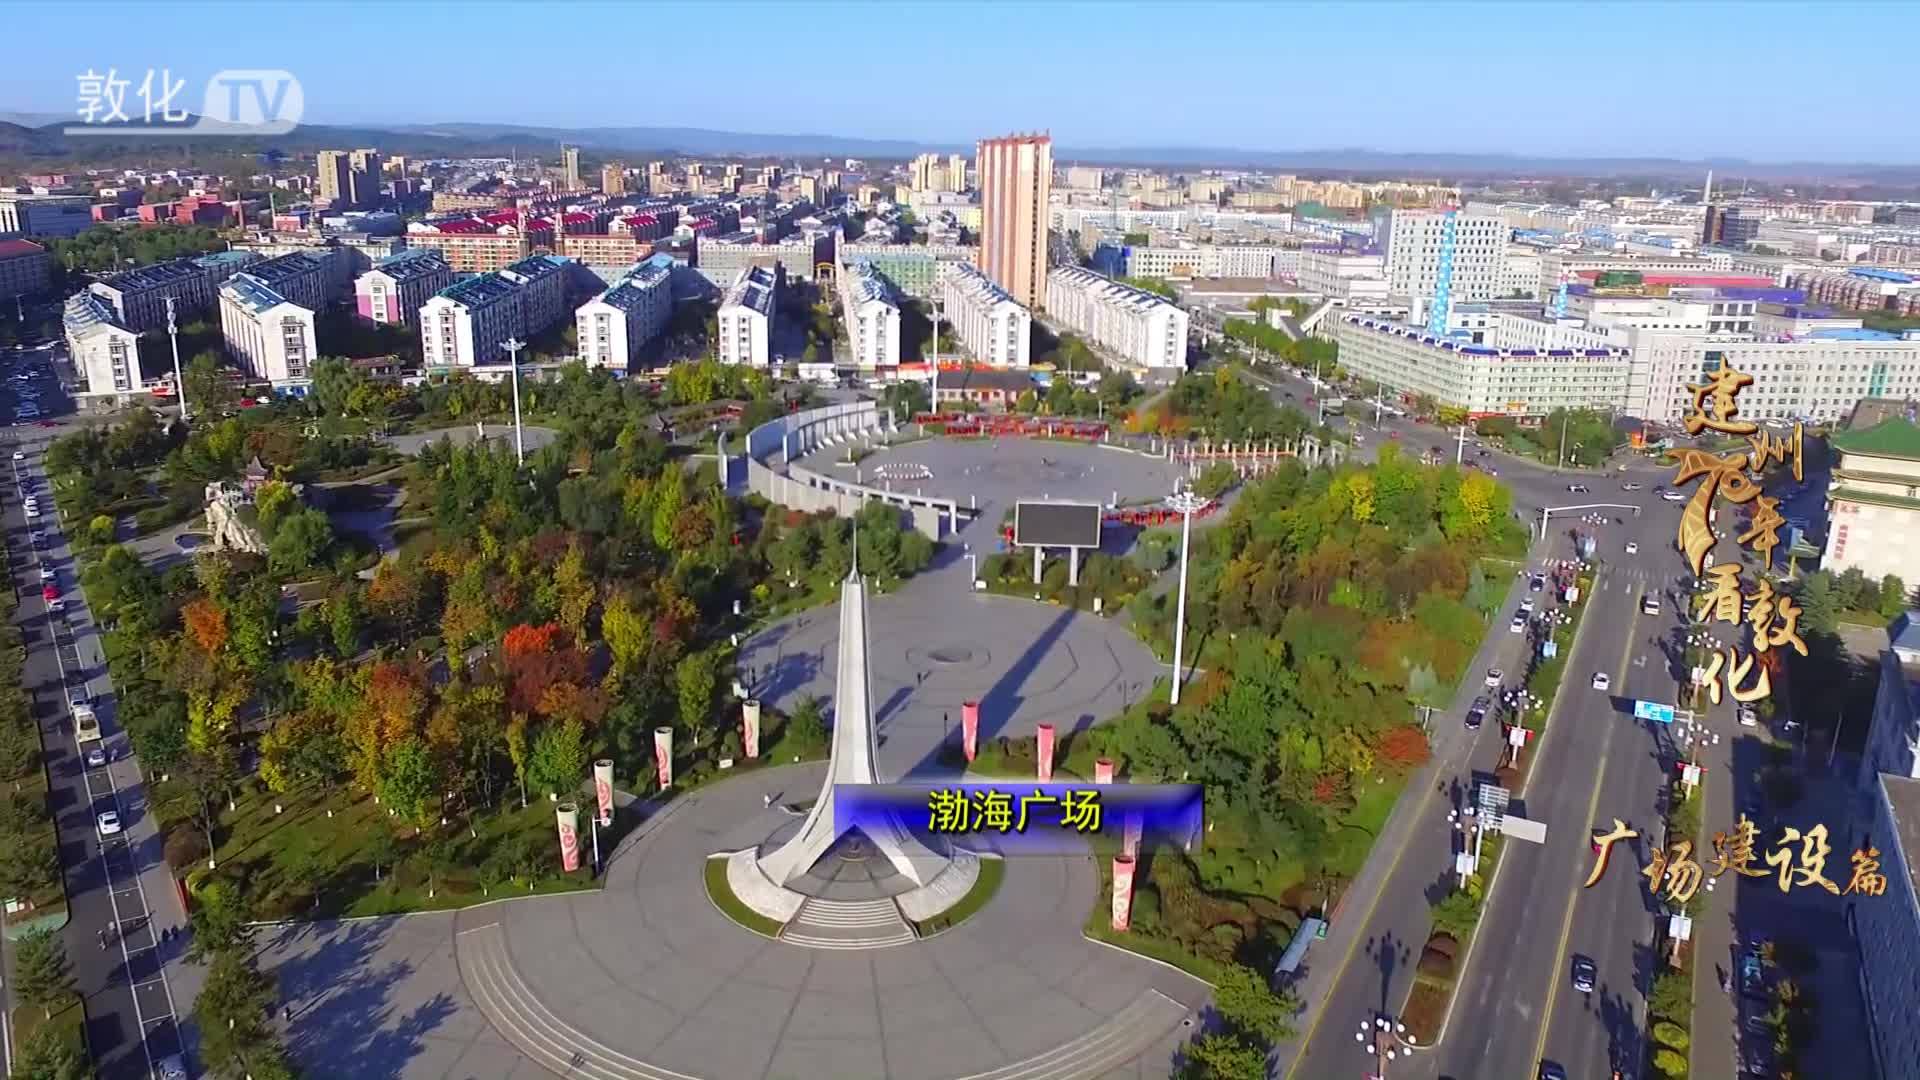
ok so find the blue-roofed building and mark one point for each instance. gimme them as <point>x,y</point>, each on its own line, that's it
<point>543,299</point>
<point>221,265</point>
<point>104,351</point>
<point>139,296</point>
<point>614,326</point>
<point>393,292</point>
<point>296,276</point>
<point>464,324</point>
<point>871,316</point>
<point>268,335</point>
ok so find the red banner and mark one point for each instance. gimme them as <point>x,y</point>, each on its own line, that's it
<point>1122,892</point>
<point>1044,751</point>
<point>970,727</point>
<point>1103,771</point>
<point>603,789</point>
<point>663,755</point>
<point>568,817</point>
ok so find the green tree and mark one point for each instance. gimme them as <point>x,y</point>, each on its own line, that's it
<point>558,762</point>
<point>1672,996</point>
<point>220,922</point>
<point>669,498</point>
<point>694,680</point>
<point>1670,1063</point>
<point>234,1012</point>
<point>1893,596</point>
<point>300,541</point>
<point>1246,1001</point>
<point>807,726</point>
<point>1223,1057</point>
<point>19,750</point>
<point>48,1054</point>
<point>27,866</point>
<point>383,850</point>
<point>209,390</point>
<point>1819,607</point>
<point>42,975</point>
<point>1668,1033</point>
<point>411,782</point>
<point>343,622</point>
<point>1456,915</point>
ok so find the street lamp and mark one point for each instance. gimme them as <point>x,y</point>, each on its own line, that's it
<point>513,345</point>
<point>179,380</point>
<point>1183,502</point>
<point>1386,1040</point>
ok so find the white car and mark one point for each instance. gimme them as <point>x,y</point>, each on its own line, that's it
<point>109,822</point>
<point>1526,606</point>
<point>1633,548</point>
<point>1674,496</point>
<point>1518,625</point>
<point>47,574</point>
<point>19,456</point>
<point>32,511</point>
<point>1495,676</point>
<point>1601,681</point>
<point>1748,718</point>
<point>96,757</point>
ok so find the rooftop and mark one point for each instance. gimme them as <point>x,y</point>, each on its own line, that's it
<point>1851,334</point>
<point>217,259</point>
<point>479,291</point>
<point>753,288</point>
<point>86,312</point>
<point>13,249</point>
<point>157,276</point>
<point>411,264</point>
<point>1903,799</point>
<point>968,279</point>
<point>1895,436</point>
<point>291,265</point>
<point>865,285</point>
<point>251,293</point>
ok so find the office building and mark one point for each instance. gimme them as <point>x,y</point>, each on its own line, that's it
<point>301,277</point>
<point>1872,515</point>
<point>104,352</point>
<point>746,317</point>
<point>1015,176</point>
<point>44,215</point>
<point>613,327</point>
<point>1343,275</point>
<point>464,324</point>
<point>992,326</point>
<point>570,167</point>
<point>871,316</point>
<point>335,178</point>
<point>269,336</point>
<point>956,172</point>
<point>363,177</point>
<point>138,296</point>
<point>1491,362</point>
<point>613,178</point>
<point>394,291</point>
<point>25,269</point>
<point>1416,241</point>
<point>1139,329</point>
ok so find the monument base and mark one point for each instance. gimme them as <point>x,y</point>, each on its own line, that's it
<point>781,903</point>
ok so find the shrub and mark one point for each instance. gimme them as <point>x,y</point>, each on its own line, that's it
<point>1671,1035</point>
<point>1669,1063</point>
<point>1146,908</point>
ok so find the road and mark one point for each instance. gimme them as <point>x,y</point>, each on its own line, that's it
<point>112,933</point>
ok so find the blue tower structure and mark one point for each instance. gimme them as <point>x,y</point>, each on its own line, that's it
<point>1443,280</point>
<point>1560,299</point>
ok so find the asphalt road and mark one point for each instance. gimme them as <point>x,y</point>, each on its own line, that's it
<point>110,936</point>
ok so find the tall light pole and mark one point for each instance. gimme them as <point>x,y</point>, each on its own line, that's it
<point>1460,444</point>
<point>513,345</point>
<point>1564,425</point>
<point>1185,503</point>
<point>179,380</point>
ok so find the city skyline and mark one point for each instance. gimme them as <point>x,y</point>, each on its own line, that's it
<point>1283,79</point>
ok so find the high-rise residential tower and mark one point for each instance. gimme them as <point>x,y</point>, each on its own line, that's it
<point>1015,177</point>
<point>570,161</point>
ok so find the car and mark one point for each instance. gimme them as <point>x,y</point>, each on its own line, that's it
<point>1495,677</point>
<point>1649,605</point>
<point>19,456</point>
<point>47,574</point>
<point>1602,681</point>
<point>1629,486</point>
<point>39,538</point>
<point>50,594</point>
<point>108,822</point>
<point>1757,1024</point>
<point>1536,583</point>
<point>1583,974</point>
<point>1518,625</point>
<point>96,757</point>
<point>1477,712</point>
<point>1633,548</point>
<point>32,511</point>
<point>1749,718</point>
<point>171,1067</point>
<point>1577,489</point>
<point>1526,606</point>
<point>1551,1070</point>
<point>1491,471</point>
<point>56,605</point>
<point>77,696</point>
<point>1751,979</point>
<point>1674,496</point>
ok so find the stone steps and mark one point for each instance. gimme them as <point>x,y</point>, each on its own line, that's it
<point>848,924</point>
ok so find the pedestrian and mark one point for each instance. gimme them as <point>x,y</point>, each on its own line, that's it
<point>286,1011</point>
<point>766,800</point>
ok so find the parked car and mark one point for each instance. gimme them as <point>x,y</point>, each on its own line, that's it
<point>1577,489</point>
<point>1477,712</point>
<point>1672,495</point>
<point>1748,718</point>
<point>96,757</point>
<point>1583,974</point>
<point>108,822</point>
<point>1495,677</point>
<point>1518,625</point>
<point>1633,548</point>
<point>1629,486</point>
<point>50,593</point>
<point>1602,681</point>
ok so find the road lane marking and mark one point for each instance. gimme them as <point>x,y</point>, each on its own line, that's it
<point>1593,808</point>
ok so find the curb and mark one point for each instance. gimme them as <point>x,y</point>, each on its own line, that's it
<point>1446,1019</point>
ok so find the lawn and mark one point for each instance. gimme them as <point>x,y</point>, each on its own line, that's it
<point>722,896</point>
<point>993,870</point>
<point>70,1021</point>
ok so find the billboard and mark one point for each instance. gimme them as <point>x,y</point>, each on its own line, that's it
<point>1056,524</point>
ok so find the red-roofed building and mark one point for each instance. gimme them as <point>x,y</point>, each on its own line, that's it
<point>25,268</point>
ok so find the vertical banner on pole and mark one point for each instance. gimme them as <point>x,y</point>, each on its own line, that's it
<point>1103,771</point>
<point>1130,834</point>
<point>603,789</point>
<point>750,727</point>
<point>970,727</point>
<point>1043,740</point>
<point>663,755</point>
<point>567,816</point>
<point>1122,892</point>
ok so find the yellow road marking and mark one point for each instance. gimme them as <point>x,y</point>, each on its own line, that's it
<point>1593,808</point>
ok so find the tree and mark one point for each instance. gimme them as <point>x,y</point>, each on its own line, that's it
<point>410,783</point>
<point>1670,1063</point>
<point>209,391</point>
<point>694,680</point>
<point>807,727</point>
<point>1246,1001</point>
<point>48,1054</point>
<point>26,866</point>
<point>559,760</point>
<point>383,850</point>
<point>1456,915</point>
<point>1672,996</point>
<point>19,750</point>
<point>1223,1057</point>
<point>299,542</point>
<point>627,632</point>
<point>234,1013</point>
<point>42,975</point>
<point>1893,596</point>
<point>220,921</point>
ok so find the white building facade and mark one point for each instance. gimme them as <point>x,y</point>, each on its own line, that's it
<point>465,323</point>
<point>269,336</point>
<point>104,352</point>
<point>1414,244</point>
<point>746,318</point>
<point>1140,329</point>
<point>871,317</point>
<point>612,327</point>
<point>994,327</point>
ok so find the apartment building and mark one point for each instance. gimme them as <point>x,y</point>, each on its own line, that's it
<point>298,276</point>
<point>871,316</point>
<point>463,325</point>
<point>1184,261</point>
<point>139,296</point>
<point>1416,241</point>
<point>25,269</point>
<point>270,336</point>
<point>1138,328</point>
<point>992,326</point>
<point>1342,275</point>
<point>916,270</point>
<point>472,247</point>
<point>394,291</point>
<point>1015,175</point>
<point>746,317</point>
<point>221,265</point>
<point>721,258</point>
<point>1886,928</point>
<point>453,202</point>
<point>543,291</point>
<point>1490,362</point>
<point>104,352</point>
<point>44,215</point>
<point>613,327</point>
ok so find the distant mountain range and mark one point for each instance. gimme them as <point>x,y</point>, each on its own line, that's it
<point>21,137</point>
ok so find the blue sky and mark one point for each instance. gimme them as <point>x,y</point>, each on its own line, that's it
<point>1767,81</point>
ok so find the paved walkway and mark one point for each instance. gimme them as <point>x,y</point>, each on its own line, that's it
<point>648,981</point>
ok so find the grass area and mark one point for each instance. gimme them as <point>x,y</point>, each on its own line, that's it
<point>68,1021</point>
<point>330,853</point>
<point>1099,926</point>
<point>993,870</point>
<point>722,896</point>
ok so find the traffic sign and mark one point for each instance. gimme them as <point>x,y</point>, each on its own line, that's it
<point>1653,710</point>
